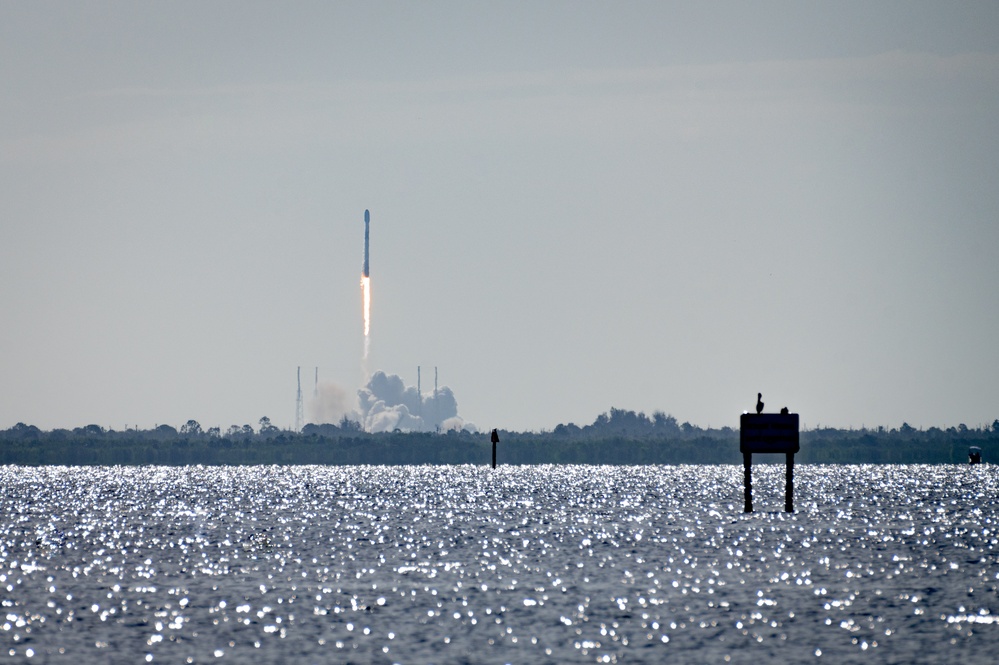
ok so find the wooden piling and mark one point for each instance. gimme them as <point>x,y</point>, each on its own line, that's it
<point>789,483</point>
<point>495,439</point>
<point>747,476</point>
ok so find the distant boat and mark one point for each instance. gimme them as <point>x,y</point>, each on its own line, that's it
<point>974,455</point>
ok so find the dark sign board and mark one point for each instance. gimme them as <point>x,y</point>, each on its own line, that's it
<point>768,433</point>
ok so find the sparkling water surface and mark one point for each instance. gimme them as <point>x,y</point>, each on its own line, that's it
<point>465,564</point>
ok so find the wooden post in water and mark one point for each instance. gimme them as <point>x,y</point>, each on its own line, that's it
<point>768,433</point>
<point>495,440</point>
<point>789,483</point>
<point>747,480</point>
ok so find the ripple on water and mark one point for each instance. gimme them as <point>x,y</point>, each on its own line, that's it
<point>521,564</point>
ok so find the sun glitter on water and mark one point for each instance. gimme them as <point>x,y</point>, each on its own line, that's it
<point>518,564</point>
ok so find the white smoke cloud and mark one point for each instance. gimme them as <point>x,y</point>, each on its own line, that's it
<point>387,404</point>
<point>457,423</point>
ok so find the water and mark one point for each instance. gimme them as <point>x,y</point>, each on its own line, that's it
<point>520,565</point>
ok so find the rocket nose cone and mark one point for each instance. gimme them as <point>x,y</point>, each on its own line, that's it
<point>367,217</point>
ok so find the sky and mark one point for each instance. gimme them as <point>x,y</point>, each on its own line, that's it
<point>652,206</point>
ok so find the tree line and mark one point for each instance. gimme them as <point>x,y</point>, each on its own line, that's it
<point>616,437</point>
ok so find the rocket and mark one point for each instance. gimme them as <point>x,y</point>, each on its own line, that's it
<point>367,221</point>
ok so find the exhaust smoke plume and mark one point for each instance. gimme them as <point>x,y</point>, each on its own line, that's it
<point>387,404</point>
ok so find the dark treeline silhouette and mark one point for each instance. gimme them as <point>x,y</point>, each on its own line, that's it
<point>617,437</point>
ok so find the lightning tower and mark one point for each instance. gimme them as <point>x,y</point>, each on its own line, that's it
<point>299,412</point>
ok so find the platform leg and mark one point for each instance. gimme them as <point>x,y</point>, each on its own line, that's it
<point>789,484</point>
<point>747,474</point>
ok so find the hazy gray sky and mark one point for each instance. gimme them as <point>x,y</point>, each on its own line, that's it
<point>575,205</point>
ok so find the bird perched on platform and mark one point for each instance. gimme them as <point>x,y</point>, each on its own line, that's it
<point>759,402</point>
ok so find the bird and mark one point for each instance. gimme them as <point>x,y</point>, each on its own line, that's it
<point>759,402</point>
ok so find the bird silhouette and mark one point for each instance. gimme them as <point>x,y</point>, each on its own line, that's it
<point>759,402</point>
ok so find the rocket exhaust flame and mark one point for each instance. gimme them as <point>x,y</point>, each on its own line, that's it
<point>366,310</point>
<point>366,287</point>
